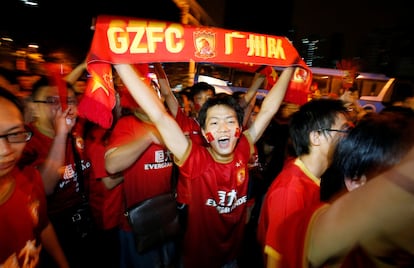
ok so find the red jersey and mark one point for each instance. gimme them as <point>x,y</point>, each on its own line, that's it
<point>67,192</point>
<point>23,217</point>
<point>293,189</point>
<point>106,204</point>
<point>150,175</point>
<point>190,127</point>
<point>217,202</point>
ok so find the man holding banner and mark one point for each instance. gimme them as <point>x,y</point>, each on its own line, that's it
<point>133,40</point>
<point>217,174</point>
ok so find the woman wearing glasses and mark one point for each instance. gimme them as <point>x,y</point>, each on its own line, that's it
<point>24,225</point>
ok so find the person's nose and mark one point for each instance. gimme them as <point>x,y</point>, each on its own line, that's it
<point>5,147</point>
<point>223,127</point>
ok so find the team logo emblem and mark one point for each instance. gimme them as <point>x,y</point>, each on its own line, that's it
<point>205,44</point>
<point>241,176</point>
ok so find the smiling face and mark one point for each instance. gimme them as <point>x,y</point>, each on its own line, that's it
<point>222,130</point>
<point>11,121</point>
<point>46,103</point>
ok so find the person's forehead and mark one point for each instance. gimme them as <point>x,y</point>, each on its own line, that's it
<point>9,113</point>
<point>220,111</point>
<point>53,91</point>
<point>204,92</point>
<point>340,119</point>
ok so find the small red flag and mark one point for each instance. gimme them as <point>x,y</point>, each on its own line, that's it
<point>99,98</point>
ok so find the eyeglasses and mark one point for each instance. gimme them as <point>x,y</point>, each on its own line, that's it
<point>346,130</point>
<point>17,137</point>
<point>53,100</point>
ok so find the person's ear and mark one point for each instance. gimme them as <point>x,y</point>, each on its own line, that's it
<point>315,137</point>
<point>352,184</point>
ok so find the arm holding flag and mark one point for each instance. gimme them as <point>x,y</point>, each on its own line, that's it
<point>271,104</point>
<point>149,101</point>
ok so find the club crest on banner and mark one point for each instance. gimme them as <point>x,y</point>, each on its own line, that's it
<point>204,44</point>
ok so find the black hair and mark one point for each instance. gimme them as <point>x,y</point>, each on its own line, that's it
<point>378,142</point>
<point>45,81</point>
<point>4,93</point>
<point>312,116</point>
<point>201,86</point>
<point>9,75</point>
<point>220,99</point>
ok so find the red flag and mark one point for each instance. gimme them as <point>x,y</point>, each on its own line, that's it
<point>55,74</point>
<point>271,76</point>
<point>299,87</point>
<point>99,98</point>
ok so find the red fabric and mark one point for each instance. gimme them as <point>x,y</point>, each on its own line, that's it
<point>115,41</point>
<point>216,205</point>
<point>293,189</point>
<point>298,91</point>
<point>99,98</point>
<point>271,76</point>
<point>23,216</point>
<point>150,175</point>
<point>106,204</point>
<point>67,192</point>
<point>293,234</point>
<point>55,74</point>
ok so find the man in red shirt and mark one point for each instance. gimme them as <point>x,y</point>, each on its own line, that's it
<point>217,174</point>
<point>315,130</point>
<point>136,150</point>
<point>24,227</point>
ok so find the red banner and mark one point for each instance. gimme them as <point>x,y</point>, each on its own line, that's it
<point>134,40</point>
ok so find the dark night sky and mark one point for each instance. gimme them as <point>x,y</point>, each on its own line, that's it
<point>60,23</point>
<point>66,23</point>
<point>263,16</point>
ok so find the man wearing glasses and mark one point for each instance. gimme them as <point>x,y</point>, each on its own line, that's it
<point>24,225</point>
<point>64,168</point>
<point>315,130</point>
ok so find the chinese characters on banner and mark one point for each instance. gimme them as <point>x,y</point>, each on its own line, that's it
<point>137,41</point>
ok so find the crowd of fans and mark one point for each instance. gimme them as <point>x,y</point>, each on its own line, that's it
<point>257,187</point>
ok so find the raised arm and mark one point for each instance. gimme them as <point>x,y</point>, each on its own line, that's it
<point>77,72</point>
<point>249,98</point>
<point>51,167</point>
<point>252,90</point>
<point>170,99</point>
<point>173,137</point>
<point>270,104</point>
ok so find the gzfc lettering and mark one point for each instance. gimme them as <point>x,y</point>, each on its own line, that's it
<point>140,37</point>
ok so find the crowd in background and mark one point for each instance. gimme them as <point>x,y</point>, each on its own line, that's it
<point>300,165</point>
